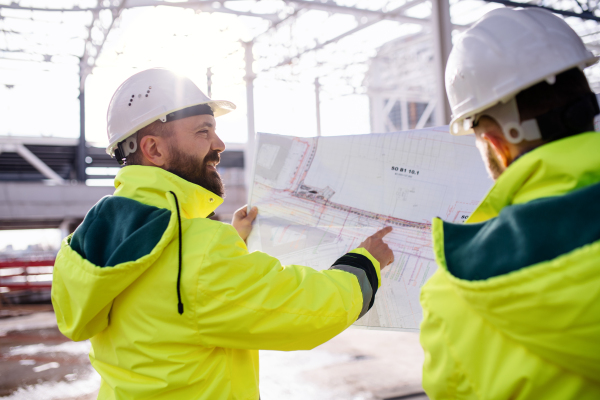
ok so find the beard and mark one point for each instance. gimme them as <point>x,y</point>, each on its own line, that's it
<point>492,163</point>
<point>195,170</point>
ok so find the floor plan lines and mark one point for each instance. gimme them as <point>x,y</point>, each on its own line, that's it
<point>319,198</point>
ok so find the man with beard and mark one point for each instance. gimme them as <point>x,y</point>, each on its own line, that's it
<point>174,305</point>
<point>513,310</point>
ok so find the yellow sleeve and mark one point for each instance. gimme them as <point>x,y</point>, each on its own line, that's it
<point>250,301</point>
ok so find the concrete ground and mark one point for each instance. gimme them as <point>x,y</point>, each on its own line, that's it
<point>37,362</point>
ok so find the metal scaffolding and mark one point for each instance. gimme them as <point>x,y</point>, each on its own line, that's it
<point>283,48</point>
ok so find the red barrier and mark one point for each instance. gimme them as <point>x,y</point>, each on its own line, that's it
<point>35,274</point>
<point>28,263</point>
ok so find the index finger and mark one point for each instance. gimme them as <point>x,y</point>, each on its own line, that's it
<point>381,233</point>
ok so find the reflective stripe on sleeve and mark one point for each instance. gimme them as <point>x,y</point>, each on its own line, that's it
<point>363,281</point>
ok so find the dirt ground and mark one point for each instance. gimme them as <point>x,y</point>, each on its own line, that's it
<point>38,363</point>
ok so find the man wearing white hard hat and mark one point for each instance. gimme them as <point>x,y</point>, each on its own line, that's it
<point>174,305</point>
<point>513,311</point>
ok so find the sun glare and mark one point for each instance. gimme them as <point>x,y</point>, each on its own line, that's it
<point>183,41</point>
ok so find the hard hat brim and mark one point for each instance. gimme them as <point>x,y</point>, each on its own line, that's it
<point>219,108</point>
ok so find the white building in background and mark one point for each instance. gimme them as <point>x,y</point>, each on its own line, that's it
<point>400,84</point>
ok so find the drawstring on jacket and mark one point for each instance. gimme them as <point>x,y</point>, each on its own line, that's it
<point>179,304</point>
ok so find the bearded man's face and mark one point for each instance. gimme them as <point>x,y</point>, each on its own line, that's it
<point>197,169</point>
<point>194,152</point>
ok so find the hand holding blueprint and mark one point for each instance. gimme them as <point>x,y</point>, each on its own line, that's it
<point>319,198</point>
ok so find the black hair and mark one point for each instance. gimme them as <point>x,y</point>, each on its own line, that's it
<point>565,108</point>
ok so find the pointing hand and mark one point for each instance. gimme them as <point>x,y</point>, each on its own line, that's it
<point>375,245</point>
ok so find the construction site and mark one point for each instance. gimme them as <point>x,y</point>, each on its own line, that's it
<point>302,68</point>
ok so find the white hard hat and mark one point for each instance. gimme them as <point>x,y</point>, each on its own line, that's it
<point>505,52</point>
<point>150,95</point>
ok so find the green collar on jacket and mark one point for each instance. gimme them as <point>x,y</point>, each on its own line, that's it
<point>149,185</point>
<point>511,335</point>
<point>552,194</point>
<point>553,169</point>
<point>119,230</point>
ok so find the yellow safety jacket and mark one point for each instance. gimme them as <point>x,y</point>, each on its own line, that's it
<point>176,307</point>
<point>513,311</point>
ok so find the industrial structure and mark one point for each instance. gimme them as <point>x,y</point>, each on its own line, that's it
<point>48,182</point>
<point>421,48</point>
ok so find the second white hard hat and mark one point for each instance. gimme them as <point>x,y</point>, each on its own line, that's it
<point>505,52</point>
<point>150,95</point>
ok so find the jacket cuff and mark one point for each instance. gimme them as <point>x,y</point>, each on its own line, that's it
<point>364,252</point>
<point>365,271</point>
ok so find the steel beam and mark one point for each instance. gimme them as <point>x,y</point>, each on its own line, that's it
<point>209,75</point>
<point>36,205</point>
<point>250,145</point>
<point>585,15</point>
<point>318,105</point>
<point>394,15</point>
<point>85,66</point>
<point>376,16</point>
<point>33,160</point>
<point>442,44</point>
<point>209,5</point>
<point>203,5</point>
<point>32,140</point>
<point>81,149</point>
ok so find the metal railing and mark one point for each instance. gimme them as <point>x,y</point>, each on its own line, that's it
<point>31,275</point>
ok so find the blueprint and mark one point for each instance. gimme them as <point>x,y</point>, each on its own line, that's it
<point>319,198</point>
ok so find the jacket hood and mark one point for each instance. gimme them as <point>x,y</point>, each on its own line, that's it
<point>532,269</point>
<point>88,275</point>
<point>119,239</point>
<point>551,308</point>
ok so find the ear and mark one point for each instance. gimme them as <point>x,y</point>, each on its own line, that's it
<point>155,150</point>
<point>501,148</point>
